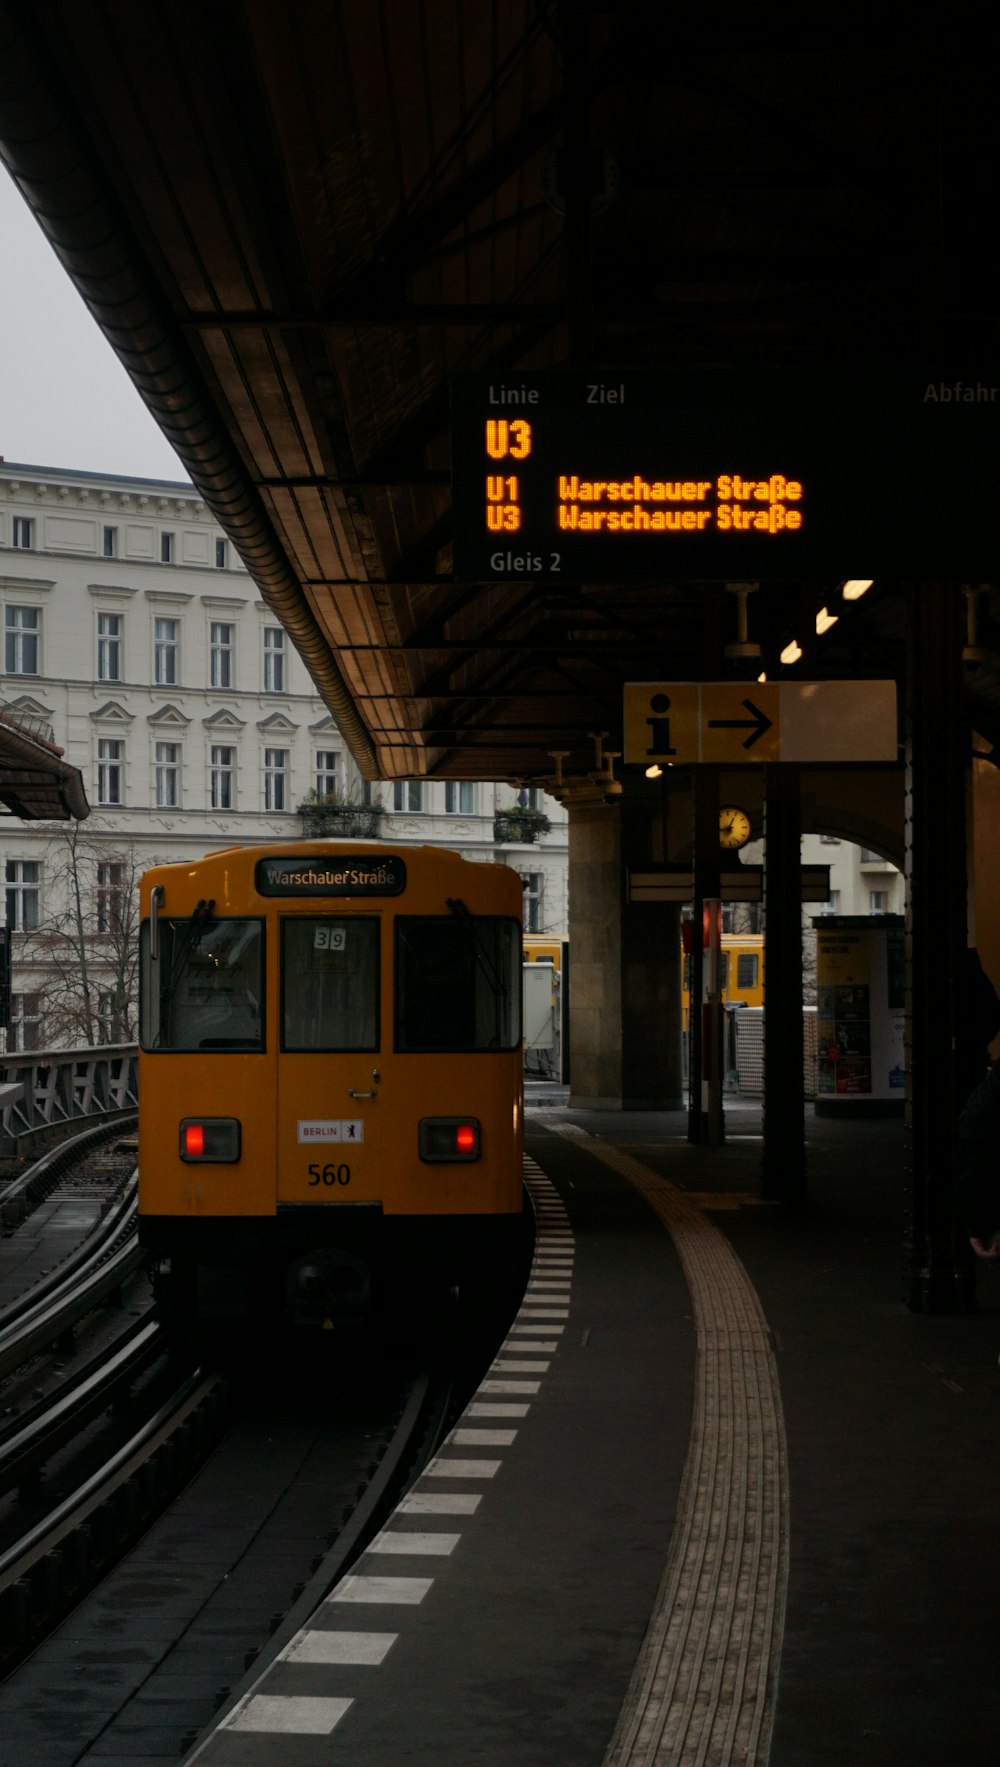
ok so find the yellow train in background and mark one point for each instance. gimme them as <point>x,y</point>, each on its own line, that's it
<point>742,967</point>
<point>742,972</point>
<point>330,1078</point>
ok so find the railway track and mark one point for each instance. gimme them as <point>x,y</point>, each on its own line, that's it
<point>125,1463</point>
<point>89,1456</point>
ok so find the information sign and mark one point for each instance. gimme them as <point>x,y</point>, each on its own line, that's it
<point>737,723</point>
<point>642,476</point>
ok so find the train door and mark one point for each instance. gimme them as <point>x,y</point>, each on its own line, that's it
<point>331,1115</point>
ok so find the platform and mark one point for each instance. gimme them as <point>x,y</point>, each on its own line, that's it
<point>721,1498</point>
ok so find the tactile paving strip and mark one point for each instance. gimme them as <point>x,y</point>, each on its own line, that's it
<point>702,1692</point>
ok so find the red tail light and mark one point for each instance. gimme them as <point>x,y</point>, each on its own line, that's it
<point>447,1140</point>
<point>215,1140</point>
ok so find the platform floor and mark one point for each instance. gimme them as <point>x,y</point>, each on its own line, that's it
<point>722,1498</point>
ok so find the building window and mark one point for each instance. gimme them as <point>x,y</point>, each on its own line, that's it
<point>110,760</point>
<point>533,882</point>
<point>878,901</point>
<point>166,548</point>
<point>371,796</point>
<point>109,646</point>
<point>24,894</point>
<point>459,797</point>
<point>275,779</point>
<point>22,626</point>
<point>221,773</point>
<point>110,895</point>
<point>110,543</point>
<point>868,857</point>
<point>530,797</point>
<point>168,775</point>
<point>326,774</point>
<point>829,840</point>
<point>408,796</point>
<point>221,555</point>
<point>221,653</point>
<point>25,1028</point>
<point>274,659</point>
<point>23,533</point>
<point>832,903</point>
<point>166,645</point>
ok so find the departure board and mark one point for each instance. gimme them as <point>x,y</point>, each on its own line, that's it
<point>639,476</point>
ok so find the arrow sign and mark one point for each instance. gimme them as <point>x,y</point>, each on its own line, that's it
<point>758,723</point>
<point>672,722</point>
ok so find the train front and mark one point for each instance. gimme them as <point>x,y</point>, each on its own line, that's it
<point>330,1081</point>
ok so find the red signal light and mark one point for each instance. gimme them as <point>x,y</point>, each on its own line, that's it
<point>194,1140</point>
<point>465,1138</point>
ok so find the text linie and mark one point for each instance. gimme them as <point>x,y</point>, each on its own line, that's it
<point>505,395</point>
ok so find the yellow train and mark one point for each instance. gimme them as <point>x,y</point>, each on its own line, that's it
<point>741,972</point>
<point>330,1078</point>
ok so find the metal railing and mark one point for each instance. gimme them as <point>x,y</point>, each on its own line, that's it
<point>42,1089</point>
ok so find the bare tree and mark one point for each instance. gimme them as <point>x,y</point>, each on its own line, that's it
<point>86,949</point>
<point>808,959</point>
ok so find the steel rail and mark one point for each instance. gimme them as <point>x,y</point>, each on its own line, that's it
<point>25,1193</point>
<point>48,1533</point>
<point>79,1285</point>
<point>421,1425</point>
<point>56,1561</point>
<point>30,1440</point>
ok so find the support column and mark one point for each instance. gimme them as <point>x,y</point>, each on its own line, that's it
<point>625,998</point>
<point>783,1169</point>
<point>939,1267</point>
<point>704,1127</point>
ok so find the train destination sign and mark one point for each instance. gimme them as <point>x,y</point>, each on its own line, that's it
<point>311,874</point>
<point>645,476</point>
<point>740,723</point>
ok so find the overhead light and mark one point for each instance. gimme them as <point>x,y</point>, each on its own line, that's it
<point>853,590</point>
<point>654,772</point>
<point>824,620</point>
<point>763,675</point>
<point>791,653</point>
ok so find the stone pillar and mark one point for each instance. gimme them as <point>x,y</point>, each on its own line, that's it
<point>939,1264</point>
<point>783,1166</point>
<point>625,992</point>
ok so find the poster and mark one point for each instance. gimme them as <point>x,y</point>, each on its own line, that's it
<point>860,996</point>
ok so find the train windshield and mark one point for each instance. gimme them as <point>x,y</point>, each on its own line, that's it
<point>458,983</point>
<point>330,981</point>
<point>205,987</point>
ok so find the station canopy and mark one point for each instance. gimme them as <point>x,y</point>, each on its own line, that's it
<point>316,233</point>
<point>36,784</point>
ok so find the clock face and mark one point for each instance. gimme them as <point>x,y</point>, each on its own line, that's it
<point>734,826</point>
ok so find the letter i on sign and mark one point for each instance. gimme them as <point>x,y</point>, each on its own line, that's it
<point>659,727</point>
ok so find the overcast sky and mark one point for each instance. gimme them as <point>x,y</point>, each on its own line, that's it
<point>65,399</point>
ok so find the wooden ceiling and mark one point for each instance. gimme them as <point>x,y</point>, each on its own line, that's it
<point>296,221</point>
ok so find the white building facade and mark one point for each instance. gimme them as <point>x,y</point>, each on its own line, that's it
<point>861,881</point>
<point>134,638</point>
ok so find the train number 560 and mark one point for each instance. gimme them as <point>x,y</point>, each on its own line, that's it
<point>329,1174</point>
